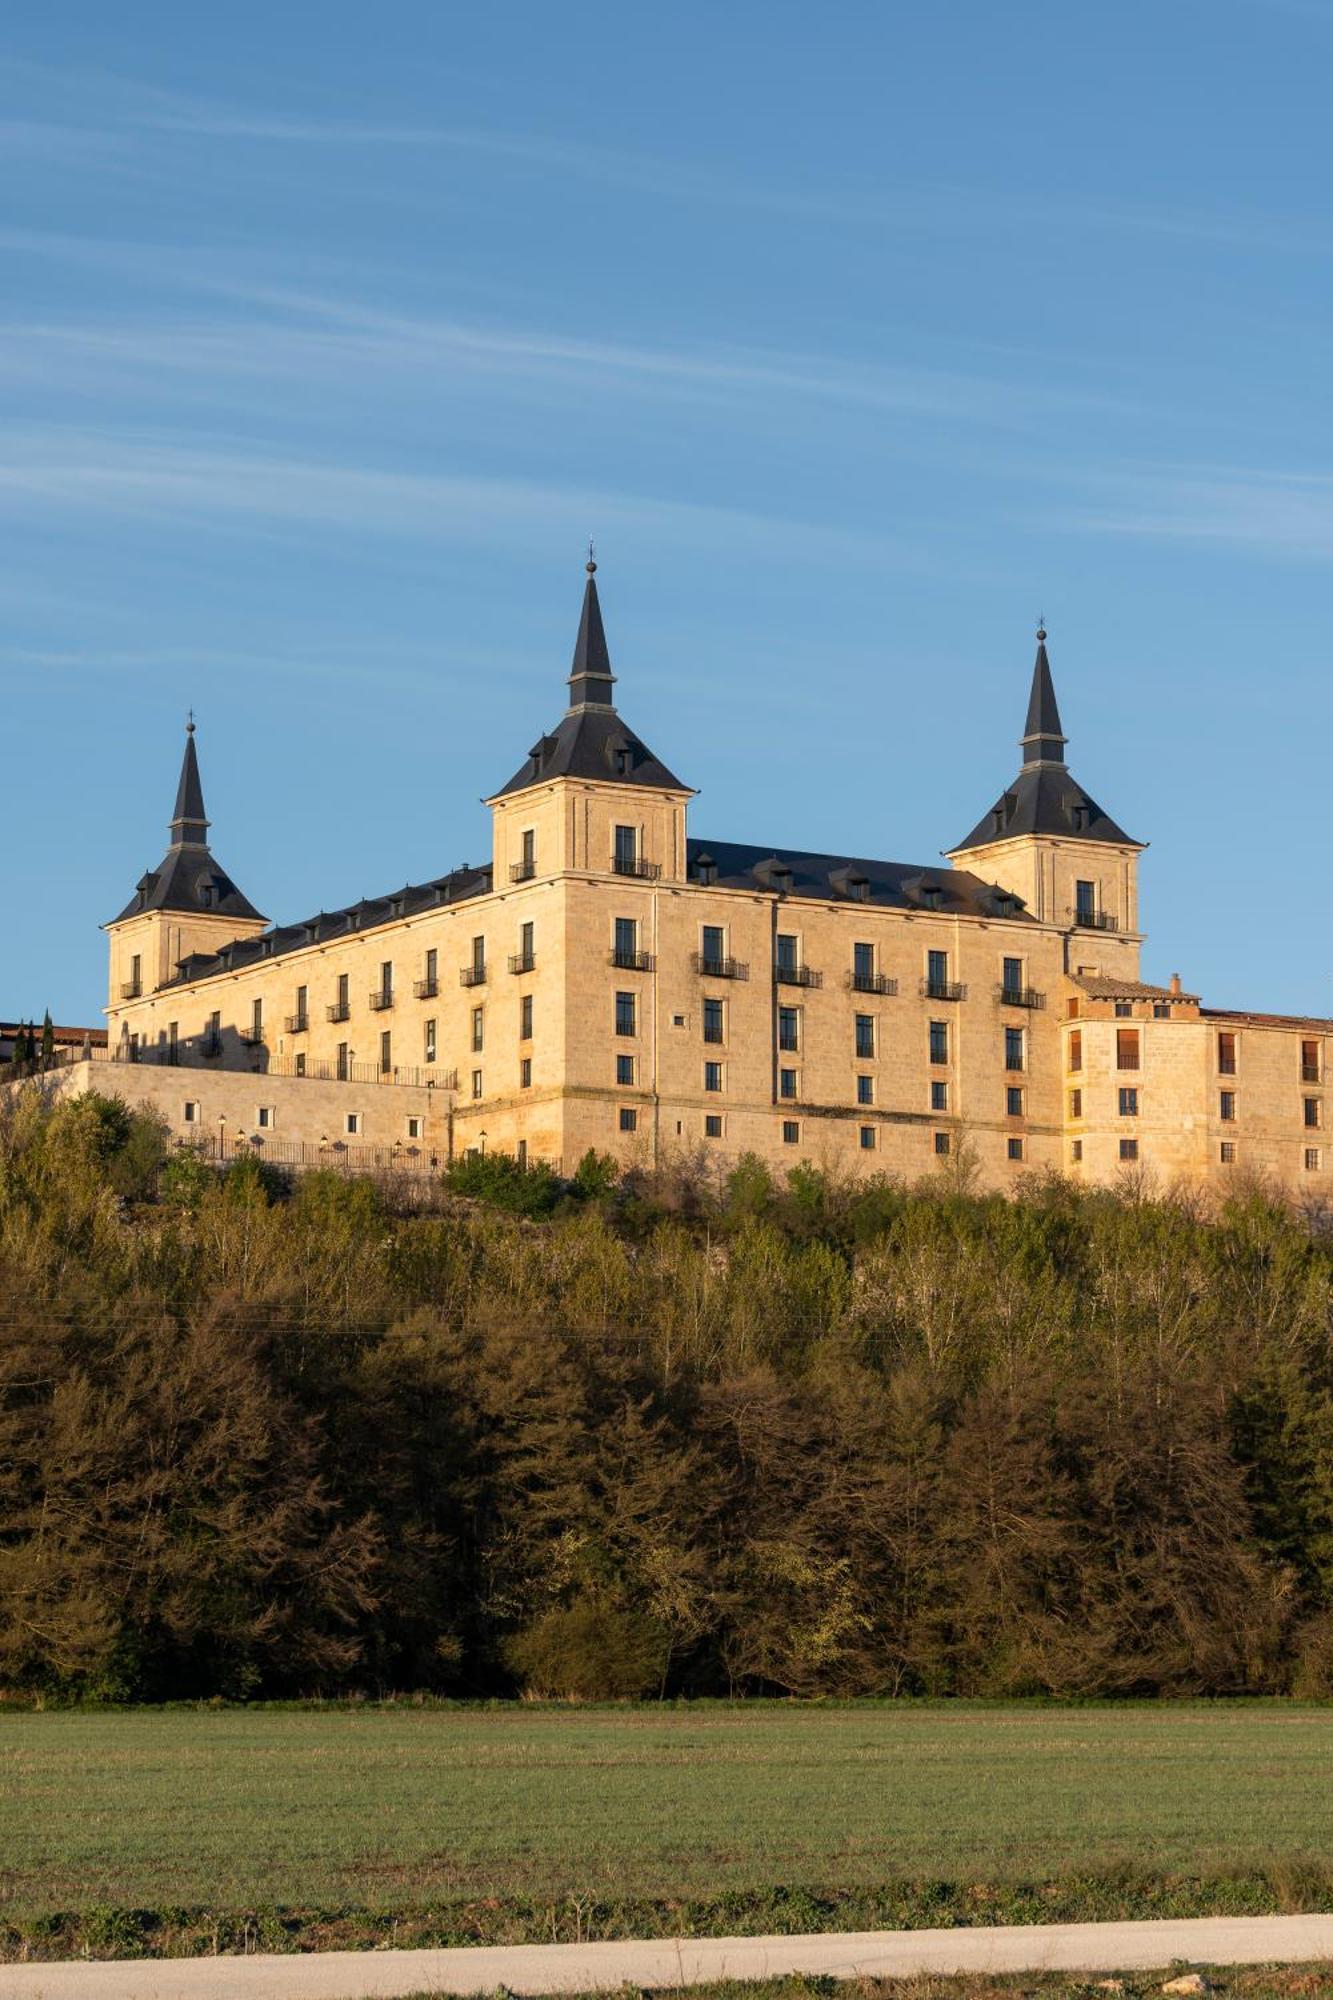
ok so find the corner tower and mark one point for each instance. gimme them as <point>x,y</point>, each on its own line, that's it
<point>1050,843</point>
<point>185,904</point>
<point>590,797</point>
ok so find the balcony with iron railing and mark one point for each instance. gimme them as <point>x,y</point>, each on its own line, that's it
<point>523,961</point>
<point>339,1010</point>
<point>797,975</point>
<point>871,982</point>
<point>210,1044</point>
<point>425,989</point>
<point>943,989</point>
<point>522,871</point>
<point>297,1024</point>
<point>1019,996</point>
<point>709,967</point>
<point>634,864</point>
<point>380,999</point>
<point>253,1037</point>
<point>1093,920</point>
<point>631,961</point>
<point>132,990</point>
<point>472,975</point>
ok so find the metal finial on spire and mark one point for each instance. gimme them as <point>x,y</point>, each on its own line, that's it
<point>1041,628</point>
<point>592,558</point>
<point>189,722</point>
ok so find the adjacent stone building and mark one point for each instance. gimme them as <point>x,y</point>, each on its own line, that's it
<point>609,980</point>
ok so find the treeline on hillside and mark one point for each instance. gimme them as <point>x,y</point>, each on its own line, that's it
<point>669,1436</point>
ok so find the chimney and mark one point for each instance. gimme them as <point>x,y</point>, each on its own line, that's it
<point>1176,988</point>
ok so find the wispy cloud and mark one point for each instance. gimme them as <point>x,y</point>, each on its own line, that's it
<point>1273,513</point>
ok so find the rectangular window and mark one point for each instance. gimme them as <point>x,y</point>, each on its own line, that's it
<point>429,1037</point>
<point>192,1111</point>
<point>1129,1149</point>
<point>1129,1101</point>
<point>386,1051</point>
<point>1076,1103</point>
<point>1309,1062</point>
<point>791,1132</point>
<point>937,970</point>
<point>353,1124</point>
<point>478,1029</point>
<point>1226,1106</point>
<point>342,1063</point>
<point>712,1019</point>
<point>1312,1159</point>
<point>939,1041</point>
<point>626,1015</point>
<point>714,945</point>
<point>529,850</point>
<point>521,1155</point>
<point>712,1076</point>
<point>1076,1049</point>
<point>626,940</point>
<point>302,1004</point>
<point>941,1144</point>
<point>786,1083</point>
<point>625,1071</point>
<point>1013,1101</point>
<point>1312,1112</point>
<point>476,1083</point>
<point>257,1018</point>
<point>867,1138</point>
<point>629,1119</point>
<point>1126,1048</point>
<point>1015,1149</point>
<point>525,1072</point>
<point>264,1117</point>
<point>626,850</point>
<point>786,957</point>
<point>789,1028</point>
<point>863,962</point>
<point>712,1126</point>
<point>526,936</point>
<point>1123,1009</point>
<point>136,976</point>
<point>1011,977</point>
<point>1076,1151</point>
<point>525,1018</point>
<point>865,1089</point>
<point>432,969</point>
<point>1085,902</point>
<point>1227,1152</point>
<point>865,1037</point>
<point>1015,1052</point>
<point>344,992</point>
<point>300,1065</point>
<point>1161,1010</point>
<point>414,1128</point>
<point>386,980</point>
<point>479,957</point>
<point>939,1095</point>
<point>1226,1053</point>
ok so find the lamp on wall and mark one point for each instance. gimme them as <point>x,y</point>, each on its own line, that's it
<point>482,1137</point>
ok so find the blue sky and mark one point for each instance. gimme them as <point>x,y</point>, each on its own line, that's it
<point>857,336</point>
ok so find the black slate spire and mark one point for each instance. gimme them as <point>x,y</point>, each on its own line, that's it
<point>1043,740</point>
<point>590,678</point>
<point>189,822</point>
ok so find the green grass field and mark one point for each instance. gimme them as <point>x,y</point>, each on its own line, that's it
<point>396,1807</point>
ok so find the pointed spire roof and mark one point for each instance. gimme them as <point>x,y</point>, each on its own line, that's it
<point>188,878</point>
<point>591,740</point>
<point>1043,740</point>
<point>1044,797</point>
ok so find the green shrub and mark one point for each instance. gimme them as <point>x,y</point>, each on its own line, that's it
<point>590,1652</point>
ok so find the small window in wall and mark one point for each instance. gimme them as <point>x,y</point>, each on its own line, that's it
<point>1226,1053</point>
<point>626,1016</point>
<point>1126,1048</point>
<point>787,1083</point>
<point>865,1037</point>
<point>1076,1151</point>
<point>1161,1010</point>
<point>342,1063</point>
<point>1312,1159</point>
<point>629,1119</point>
<point>1123,1009</point>
<point>786,951</point>
<point>941,1144</point>
<point>257,1019</point>
<point>713,945</point>
<point>679,1021</point>
<point>1227,1152</point>
<point>1011,976</point>
<point>1129,1101</point>
<point>712,1018</point>
<point>712,1076</point>
<point>525,1018</point>
<point>265,1117</point>
<point>1076,1049</point>
<point>939,1095</point>
<point>300,1064</point>
<point>867,1138</point>
<point>1013,1101</point>
<point>190,1111</point>
<point>865,1089</point>
<point>476,1083</point>
<point>1129,1149</point>
<point>1226,1106</point>
<point>1076,1103</point>
<point>529,850</point>
<point>1015,1049</point>
<point>352,1124</point>
<point>791,1132</point>
<point>1085,902</point>
<point>1310,1070</point>
<point>712,1126</point>
<point>939,1041</point>
<point>1016,1149</point>
<point>386,1052</point>
<point>430,1041</point>
<point>625,1071</point>
<point>478,1029</point>
<point>1313,1111</point>
<point>789,1027</point>
<point>414,1128</point>
<point>525,1073</point>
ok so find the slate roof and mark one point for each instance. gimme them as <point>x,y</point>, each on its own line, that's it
<point>591,741</point>
<point>899,885</point>
<point>1045,797</point>
<point>188,878</point>
<point>371,911</point>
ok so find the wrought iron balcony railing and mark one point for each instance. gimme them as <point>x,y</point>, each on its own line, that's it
<point>522,961</point>
<point>1094,920</point>
<point>339,1010</point>
<point>718,968</point>
<point>797,975</point>
<point>1020,996</point>
<point>632,961</point>
<point>634,864</point>
<point>472,975</point>
<point>871,982</point>
<point>943,989</point>
<point>132,990</point>
<point>425,989</point>
<point>381,998</point>
<point>522,871</point>
<point>296,1024</point>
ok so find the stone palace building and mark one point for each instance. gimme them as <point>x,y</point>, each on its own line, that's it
<point>610,980</point>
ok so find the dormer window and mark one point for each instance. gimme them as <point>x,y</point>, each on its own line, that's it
<point>705,870</point>
<point>782,879</point>
<point>932,895</point>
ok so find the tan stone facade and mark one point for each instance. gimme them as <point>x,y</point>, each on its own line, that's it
<point>609,983</point>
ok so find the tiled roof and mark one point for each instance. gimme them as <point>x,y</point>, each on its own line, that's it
<point>1099,988</point>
